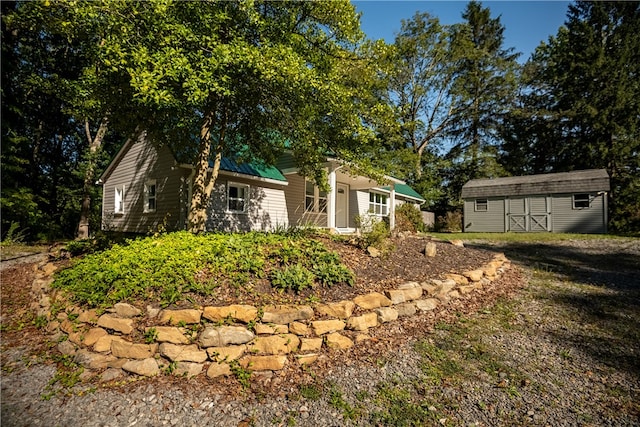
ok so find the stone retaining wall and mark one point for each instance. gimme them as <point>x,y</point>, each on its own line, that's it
<point>217,340</point>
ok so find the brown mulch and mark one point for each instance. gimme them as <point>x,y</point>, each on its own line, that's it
<point>404,262</point>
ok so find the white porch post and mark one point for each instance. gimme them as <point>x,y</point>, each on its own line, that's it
<point>331,199</point>
<point>392,207</point>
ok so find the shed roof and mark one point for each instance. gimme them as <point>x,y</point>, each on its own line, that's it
<point>550,183</point>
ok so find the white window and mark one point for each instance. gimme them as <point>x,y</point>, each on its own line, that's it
<point>378,204</point>
<point>482,205</point>
<point>237,197</point>
<point>315,200</point>
<point>118,203</point>
<point>150,196</point>
<point>581,201</point>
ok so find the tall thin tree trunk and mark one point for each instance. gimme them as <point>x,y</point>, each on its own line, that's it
<point>94,145</point>
<point>204,181</point>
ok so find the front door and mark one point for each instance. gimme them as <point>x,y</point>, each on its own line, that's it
<point>342,206</point>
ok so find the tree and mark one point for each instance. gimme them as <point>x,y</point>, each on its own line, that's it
<point>482,92</point>
<point>230,78</point>
<point>581,105</point>
<point>62,97</point>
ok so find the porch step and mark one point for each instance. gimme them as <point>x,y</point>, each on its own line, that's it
<point>346,230</point>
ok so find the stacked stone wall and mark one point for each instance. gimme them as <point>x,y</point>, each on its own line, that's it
<point>129,340</point>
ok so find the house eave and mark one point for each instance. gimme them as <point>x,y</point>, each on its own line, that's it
<point>242,176</point>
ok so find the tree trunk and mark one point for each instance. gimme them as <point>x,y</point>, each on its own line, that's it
<point>94,145</point>
<point>203,180</point>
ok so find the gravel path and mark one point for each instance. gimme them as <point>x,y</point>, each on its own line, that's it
<point>562,350</point>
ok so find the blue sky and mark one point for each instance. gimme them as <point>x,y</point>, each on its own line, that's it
<point>526,23</point>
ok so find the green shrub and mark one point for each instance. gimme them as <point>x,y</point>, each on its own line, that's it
<point>451,222</point>
<point>374,231</point>
<point>409,218</point>
<point>293,277</point>
<point>173,266</point>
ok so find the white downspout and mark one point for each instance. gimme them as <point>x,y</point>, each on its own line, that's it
<point>392,207</point>
<point>331,199</point>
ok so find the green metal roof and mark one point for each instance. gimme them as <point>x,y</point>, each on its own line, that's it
<point>251,169</point>
<point>405,190</point>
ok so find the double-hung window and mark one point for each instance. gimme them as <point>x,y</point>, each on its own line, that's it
<point>237,197</point>
<point>378,204</point>
<point>150,196</point>
<point>581,201</point>
<point>315,200</point>
<point>118,202</point>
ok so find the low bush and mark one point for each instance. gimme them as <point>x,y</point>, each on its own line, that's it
<point>170,267</point>
<point>451,222</point>
<point>409,218</point>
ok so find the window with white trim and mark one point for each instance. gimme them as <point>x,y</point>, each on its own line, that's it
<point>118,202</point>
<point>581,201</point>
<point>150,196</point>
<point>237,197</point>
<point>378,204</point>
<point>482,205</point>
<point>315,200</point>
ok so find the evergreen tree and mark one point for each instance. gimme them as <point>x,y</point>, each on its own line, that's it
<point>482,92</point>
<point>580,106</point>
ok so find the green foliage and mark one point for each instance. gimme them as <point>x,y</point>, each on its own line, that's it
<point>450,222</point>
<point>336,400</point>
<point>170,267</point>
<point>400,408</point>
<point>150,335</point>
<point>374,231</point>
<point>13,235</point>
<point>409,218</point>
<point>292,277</point>
<point>243,375</point>
<point>67,375</point>
<point>311,391</point>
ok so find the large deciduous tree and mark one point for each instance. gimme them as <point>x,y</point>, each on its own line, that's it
<point>418,74</point>
<point>236,78</point>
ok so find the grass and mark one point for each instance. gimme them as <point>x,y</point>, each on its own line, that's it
<point>523,237</point>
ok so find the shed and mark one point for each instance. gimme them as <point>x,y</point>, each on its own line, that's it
<point>565,202</point>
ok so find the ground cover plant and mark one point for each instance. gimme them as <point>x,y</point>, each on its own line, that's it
<point>169,268</point>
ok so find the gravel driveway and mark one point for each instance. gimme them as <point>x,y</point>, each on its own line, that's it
<point>563,349</point>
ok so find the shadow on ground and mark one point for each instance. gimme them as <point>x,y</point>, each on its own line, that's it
<point>597,285</point>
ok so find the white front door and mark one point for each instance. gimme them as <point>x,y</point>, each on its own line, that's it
<point>342,206</point>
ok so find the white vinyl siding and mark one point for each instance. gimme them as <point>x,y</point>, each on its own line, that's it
<point>265,207</point>
<point>137,162</point>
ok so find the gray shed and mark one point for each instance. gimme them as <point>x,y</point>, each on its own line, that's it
<point>566,202</point>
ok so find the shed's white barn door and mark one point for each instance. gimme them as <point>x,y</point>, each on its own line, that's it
<point>517,214</point>
<point>528,214</point>
<point>538,214</point>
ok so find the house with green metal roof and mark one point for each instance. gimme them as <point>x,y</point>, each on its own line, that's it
<point>145,187</point>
